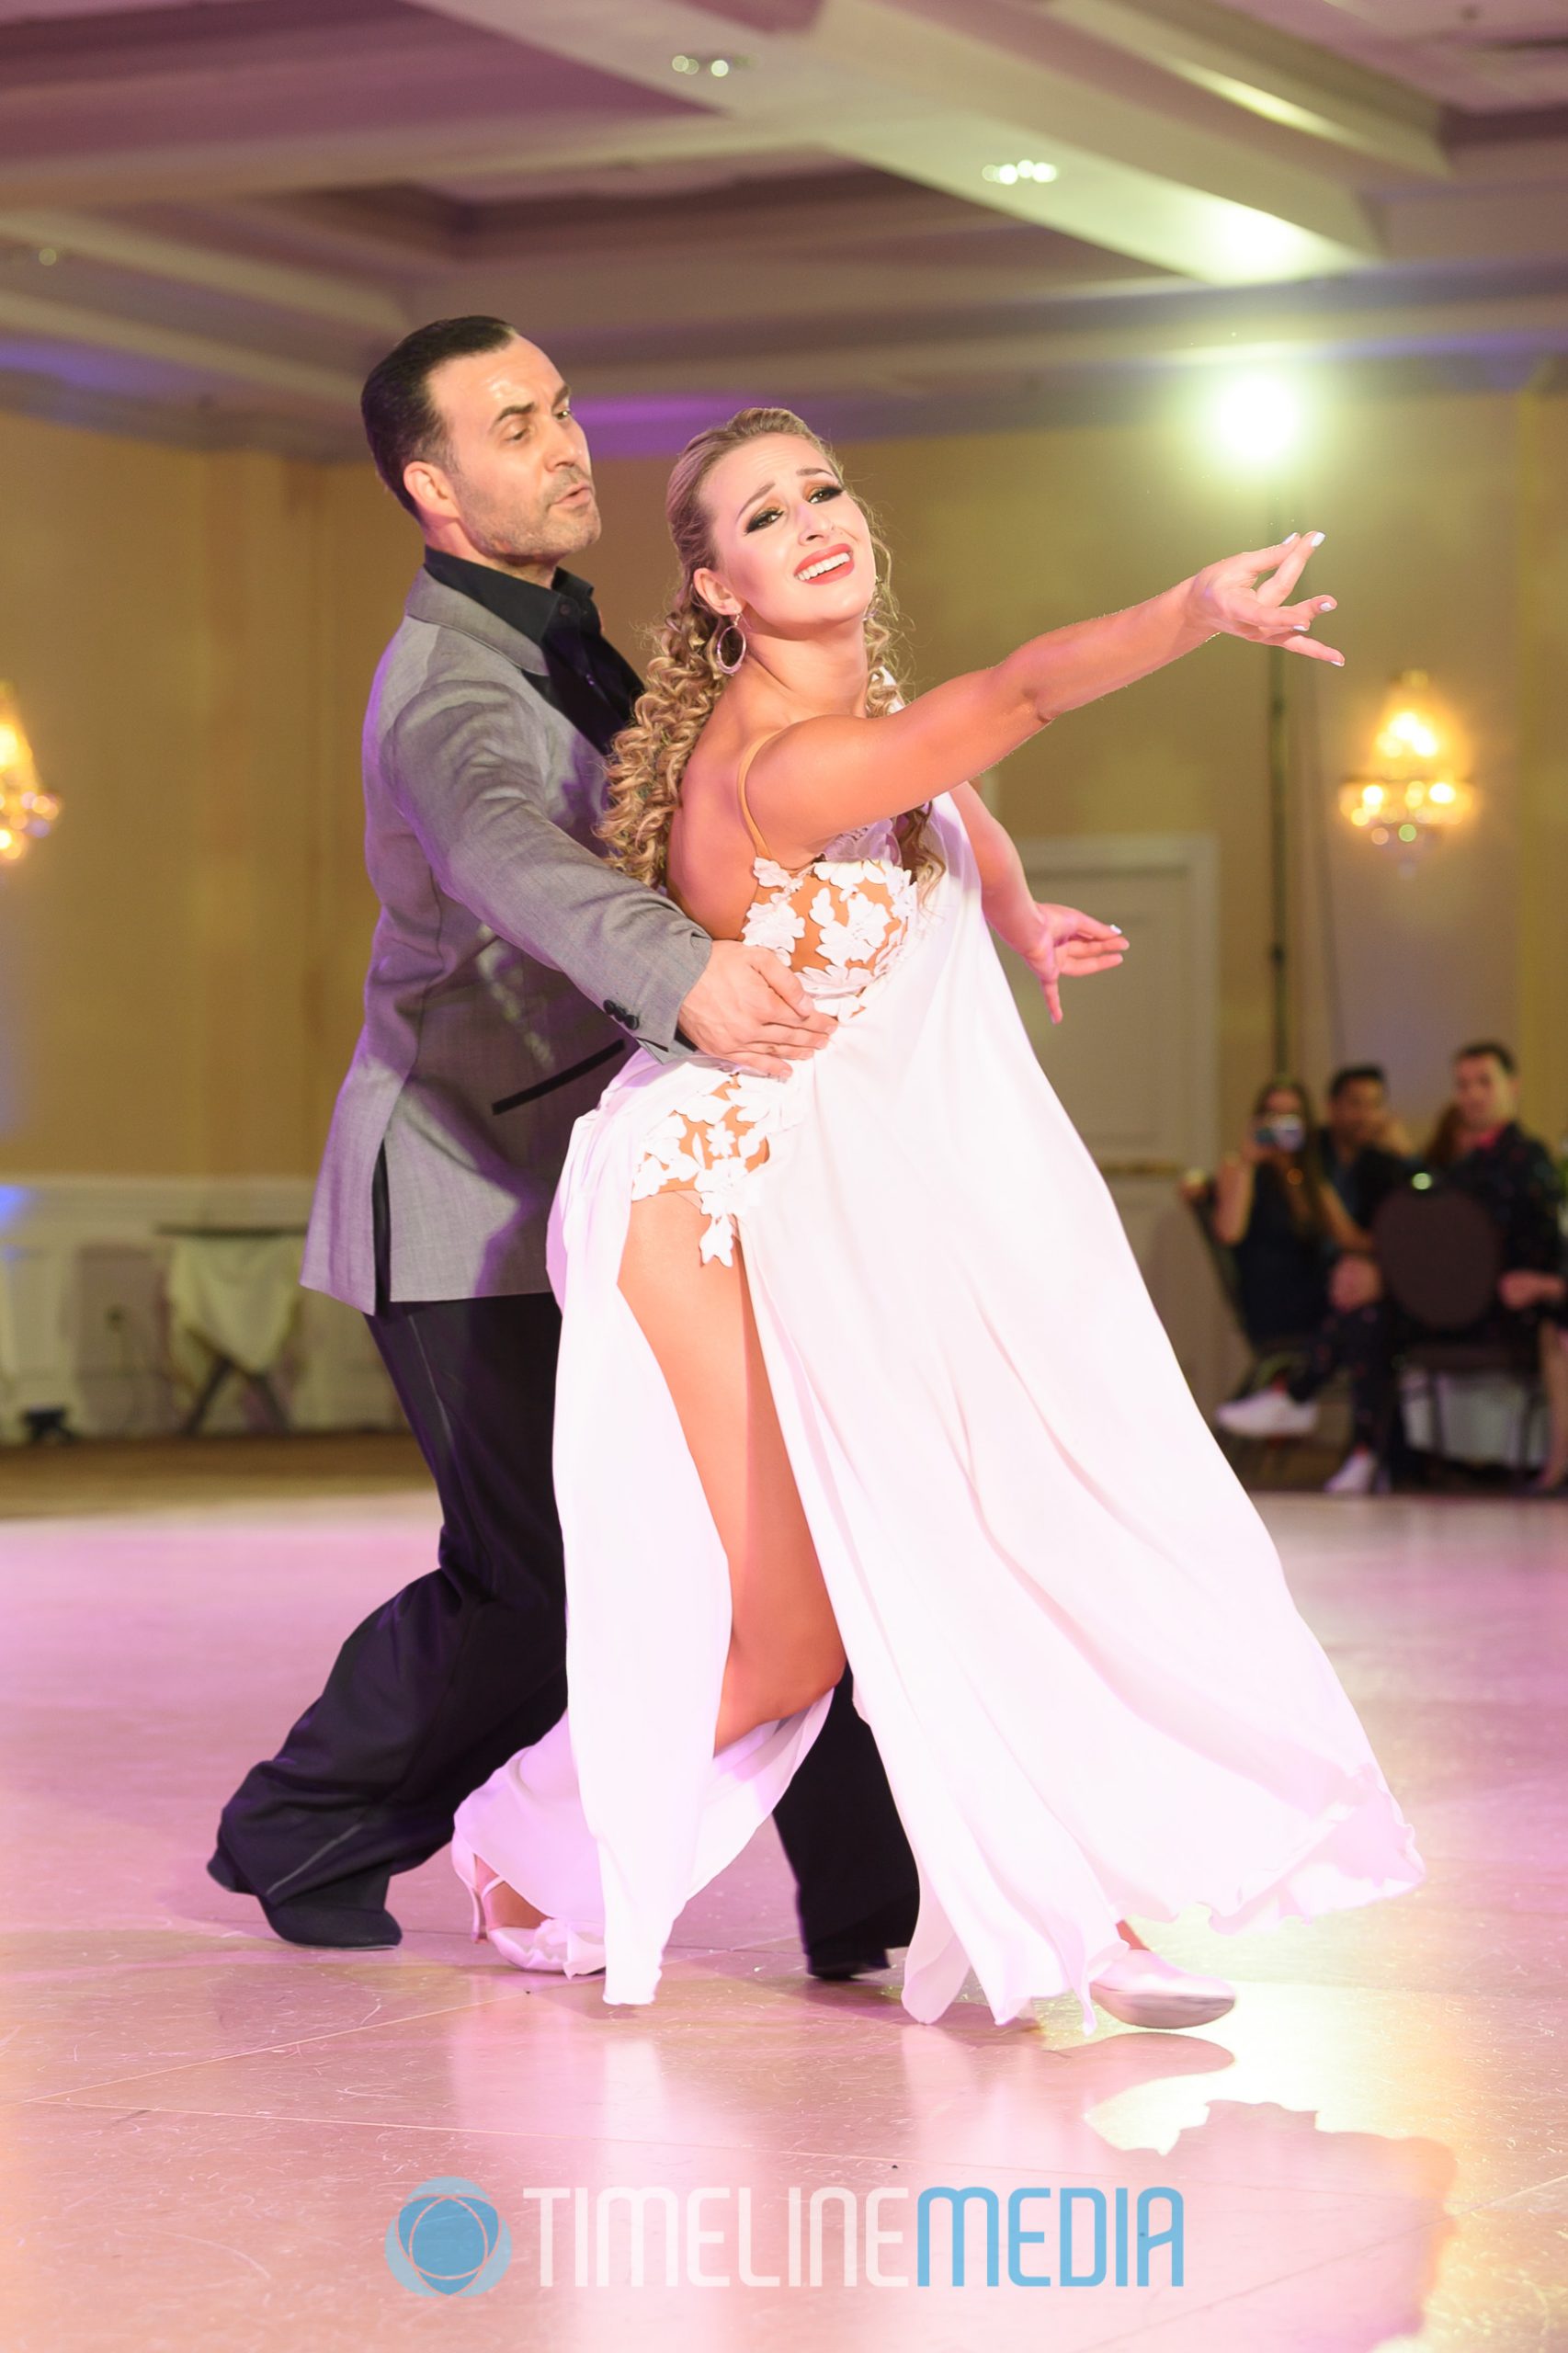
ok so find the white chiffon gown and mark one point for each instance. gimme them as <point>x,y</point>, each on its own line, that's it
<point>1068,1629</point>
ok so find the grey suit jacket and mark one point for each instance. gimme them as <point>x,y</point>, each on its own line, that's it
<point>511,971</point>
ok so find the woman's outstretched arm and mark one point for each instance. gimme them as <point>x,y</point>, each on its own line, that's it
<point>822,776</point>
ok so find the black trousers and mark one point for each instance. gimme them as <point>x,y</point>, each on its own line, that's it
<point>1366,1343</point>
<point>467,1665</point>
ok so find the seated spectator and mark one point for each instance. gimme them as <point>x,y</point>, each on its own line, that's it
<point>1485,1151</point>
<point>1364,1151</point>
<point>1280,1219</point>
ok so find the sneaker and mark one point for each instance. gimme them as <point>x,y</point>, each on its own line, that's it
<point>1357,1476</point>
<point>1267,1413</point>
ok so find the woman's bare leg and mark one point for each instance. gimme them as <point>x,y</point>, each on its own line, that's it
<point>697,1318</point>
<point>784,1645</point>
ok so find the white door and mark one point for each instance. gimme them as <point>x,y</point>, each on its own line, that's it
<point>1133,1060</point>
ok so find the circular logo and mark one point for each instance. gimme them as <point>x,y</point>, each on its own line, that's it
<point>448,2240</point>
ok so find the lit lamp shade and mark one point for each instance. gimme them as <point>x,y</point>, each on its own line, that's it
<point>1411,793</point>
<point>26,811</point>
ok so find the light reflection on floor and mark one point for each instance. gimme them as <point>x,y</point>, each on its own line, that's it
<point>208,2132</point>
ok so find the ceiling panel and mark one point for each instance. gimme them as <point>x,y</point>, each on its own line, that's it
<point>214,217</point>
<point>1475,54</point>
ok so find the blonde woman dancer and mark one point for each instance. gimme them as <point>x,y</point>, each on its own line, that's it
<point>884,1381</point>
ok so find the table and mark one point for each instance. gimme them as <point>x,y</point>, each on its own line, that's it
<point>236,1289</point>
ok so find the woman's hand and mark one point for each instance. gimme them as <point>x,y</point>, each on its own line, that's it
<point>1066,945</point>
<point>1244,595</point>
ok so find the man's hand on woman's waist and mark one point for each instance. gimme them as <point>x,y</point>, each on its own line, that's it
<point>749,1008</point>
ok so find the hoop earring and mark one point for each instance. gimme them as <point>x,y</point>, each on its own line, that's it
<point>724,630</point>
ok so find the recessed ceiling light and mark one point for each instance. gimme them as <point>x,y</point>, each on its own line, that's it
<point>1009,174</point>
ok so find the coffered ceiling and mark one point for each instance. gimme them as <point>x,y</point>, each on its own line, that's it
<point>905,214</point>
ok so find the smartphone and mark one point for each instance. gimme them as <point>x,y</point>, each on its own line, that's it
<point>1288,1133</point>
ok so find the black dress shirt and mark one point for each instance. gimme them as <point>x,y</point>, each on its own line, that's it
<point>1364,1182</point>
<point>588,682</point>
<point>1515,1179</point>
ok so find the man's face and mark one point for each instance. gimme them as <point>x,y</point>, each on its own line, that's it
<point>1357,1114</point>
<point>514,486</point>
<point>1484,1093</point>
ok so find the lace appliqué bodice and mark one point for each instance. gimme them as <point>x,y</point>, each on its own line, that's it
<point>841,924</point>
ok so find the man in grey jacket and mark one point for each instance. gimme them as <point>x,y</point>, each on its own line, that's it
<point>512,969</point>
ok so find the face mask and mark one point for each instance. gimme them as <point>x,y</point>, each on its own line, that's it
<point>1285,1132</point>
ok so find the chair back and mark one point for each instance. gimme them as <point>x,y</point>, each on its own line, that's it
<point>1440,1256</point>
<point>1218,1254</point>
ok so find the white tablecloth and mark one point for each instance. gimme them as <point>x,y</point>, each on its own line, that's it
<point>239,1294</point>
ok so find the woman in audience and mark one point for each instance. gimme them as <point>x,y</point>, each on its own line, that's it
<point>1280,1219</point>
<point>1301,1260</point>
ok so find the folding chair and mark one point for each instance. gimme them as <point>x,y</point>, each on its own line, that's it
<point>1440,1256</point>
<point>1267,1359</point>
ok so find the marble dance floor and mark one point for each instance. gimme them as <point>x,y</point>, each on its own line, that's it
<point>207,2133</point>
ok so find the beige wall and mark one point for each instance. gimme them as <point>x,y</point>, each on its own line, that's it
<point>1543,814</point>
<point>191,638</point>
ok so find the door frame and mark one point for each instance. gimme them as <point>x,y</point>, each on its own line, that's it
<point>1052,859</point>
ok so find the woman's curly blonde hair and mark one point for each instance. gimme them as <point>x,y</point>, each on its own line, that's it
<point>648,759</point>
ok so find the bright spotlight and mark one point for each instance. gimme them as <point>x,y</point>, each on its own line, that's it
<point>1257,418</point>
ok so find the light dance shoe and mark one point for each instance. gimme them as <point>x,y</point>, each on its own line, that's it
<point>1267,1413</point>
<point>552,1946</point>
<point>1142,1989</point>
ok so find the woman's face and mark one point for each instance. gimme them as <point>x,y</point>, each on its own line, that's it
<point>1283,1108</point>
<point>793,553</point>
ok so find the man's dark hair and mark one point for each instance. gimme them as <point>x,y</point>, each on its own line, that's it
<point>1352,1076</point>
<point>1499,1054</point>
<point>402,421</point>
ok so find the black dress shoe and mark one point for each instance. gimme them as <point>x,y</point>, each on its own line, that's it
<point>329,1917</point>
<point>860,1950</point>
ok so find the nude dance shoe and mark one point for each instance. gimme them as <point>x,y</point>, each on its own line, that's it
<point>1142,1989</point>
<point>552,1946</point>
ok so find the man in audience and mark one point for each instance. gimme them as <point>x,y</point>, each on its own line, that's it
<point>1364,1151</point>
<point>1481,1149</point>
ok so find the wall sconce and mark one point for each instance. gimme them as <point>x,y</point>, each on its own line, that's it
<point>26,811</point>
<point>1413,794</point>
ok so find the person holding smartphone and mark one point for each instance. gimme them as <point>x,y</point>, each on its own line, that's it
<point>1280,1219</point>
